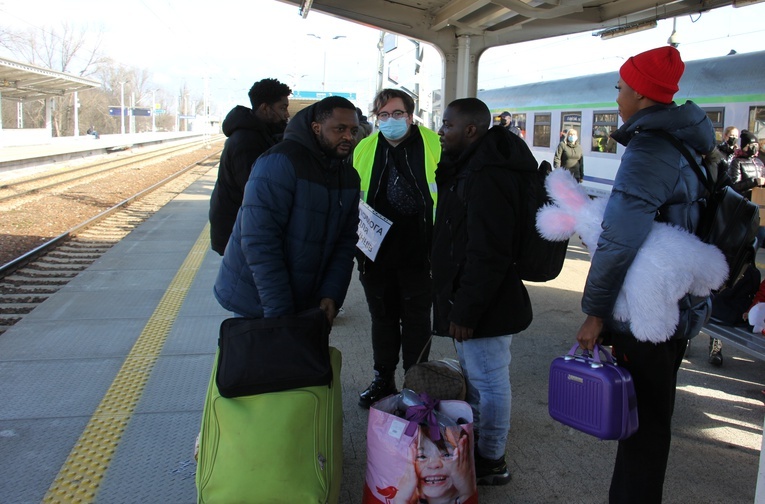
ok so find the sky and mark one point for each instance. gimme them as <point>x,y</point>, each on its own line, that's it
<point>229,44</point>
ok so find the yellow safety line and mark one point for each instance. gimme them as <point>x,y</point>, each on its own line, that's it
<point>80,477</point>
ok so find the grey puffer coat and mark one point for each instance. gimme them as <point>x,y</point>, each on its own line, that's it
<point>654,182</point>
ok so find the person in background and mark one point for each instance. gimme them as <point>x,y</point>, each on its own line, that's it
<point>728,149</point>
<point>92,131</point>
<point>728,145</point>
<point>654,182</point>
<point>506,121</point>
<point>397,166</point>
<point>250,133</point>
<point>569,155</point>
<point>746,170</point>
<point>293,241</point>
<point>365,129</point>
<point>479,298</point>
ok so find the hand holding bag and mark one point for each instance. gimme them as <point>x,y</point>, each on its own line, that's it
<point>257,356</point>
<point>593,396</point>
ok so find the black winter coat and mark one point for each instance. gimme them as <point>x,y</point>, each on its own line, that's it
<point>475,281</point>
<point>248,138</point>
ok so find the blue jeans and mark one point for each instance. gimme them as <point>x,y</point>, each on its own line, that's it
<point>486,365</point>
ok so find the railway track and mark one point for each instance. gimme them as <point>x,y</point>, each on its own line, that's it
<point>30,279</point>
<point>66,177</point>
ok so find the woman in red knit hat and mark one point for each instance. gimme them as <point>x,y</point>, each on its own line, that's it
<point>654,182</point>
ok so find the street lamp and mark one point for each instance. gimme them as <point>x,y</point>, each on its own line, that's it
<point>324,77</point>
<point>153,110</point>
<point>122,107</point>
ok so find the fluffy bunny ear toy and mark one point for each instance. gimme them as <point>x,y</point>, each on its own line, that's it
<point>571,212</point>
<point>671,262</point>
<point>757,318</point>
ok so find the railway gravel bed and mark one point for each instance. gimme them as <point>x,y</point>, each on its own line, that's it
<point>39,220</point>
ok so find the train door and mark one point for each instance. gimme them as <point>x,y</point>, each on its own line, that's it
<point>570,120</point>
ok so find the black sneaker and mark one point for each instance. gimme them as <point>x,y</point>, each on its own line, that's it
<point>715,352</point>
<point>378,389</point>
<point>491,472</point>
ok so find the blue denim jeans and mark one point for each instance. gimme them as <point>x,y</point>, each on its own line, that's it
<point>486,365</point>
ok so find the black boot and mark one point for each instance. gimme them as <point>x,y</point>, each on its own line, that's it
<point>491,472</point>
<point>382,386</point>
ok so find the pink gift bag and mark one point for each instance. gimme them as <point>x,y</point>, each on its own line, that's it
<point>420,450</point>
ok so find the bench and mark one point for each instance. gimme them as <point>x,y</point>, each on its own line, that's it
<point>741,338</point>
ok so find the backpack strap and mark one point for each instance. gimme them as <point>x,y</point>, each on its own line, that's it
<point>706,180</point>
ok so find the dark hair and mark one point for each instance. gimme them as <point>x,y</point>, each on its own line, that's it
<point>326,107</point>
<point>267,91</point>
<point>474,111</point>
<point>388,94</point>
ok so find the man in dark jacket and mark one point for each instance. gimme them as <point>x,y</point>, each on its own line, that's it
<point>480,300</point>
<point>654,182</point>
<point>294,239</point>
<point>250,133</point>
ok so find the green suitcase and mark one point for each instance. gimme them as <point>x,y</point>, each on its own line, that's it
<point>280,447</point>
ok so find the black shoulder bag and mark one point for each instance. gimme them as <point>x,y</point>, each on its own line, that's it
<point>728,220</point>
<point>257,356</point>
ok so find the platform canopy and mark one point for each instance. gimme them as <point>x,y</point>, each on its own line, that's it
<point>463,29</point>
<point>22,82</point>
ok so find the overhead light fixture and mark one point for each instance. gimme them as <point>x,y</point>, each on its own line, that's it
<point>305,7</point>
<point>619,31</point>
<point>674,38</point>
<point>744,3</point>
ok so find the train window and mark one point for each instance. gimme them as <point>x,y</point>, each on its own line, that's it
<point>757,120</point>
<point>542,130</point>
<point>570,120</point>
<point>717,116</point>
<point>603,124</point>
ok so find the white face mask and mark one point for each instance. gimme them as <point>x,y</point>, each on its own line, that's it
<point>572,138</point>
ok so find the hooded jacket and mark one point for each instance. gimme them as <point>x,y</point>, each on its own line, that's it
<point>248,138</point>
<point>479,196</point>
<point>570,156</point>
<point>654,182</point>
<point>294,239</point>
<point>744,171</point>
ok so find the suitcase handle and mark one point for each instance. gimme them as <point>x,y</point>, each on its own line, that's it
<point>594,358</point>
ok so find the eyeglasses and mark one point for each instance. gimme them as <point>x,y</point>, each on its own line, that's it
<point>396,114</point>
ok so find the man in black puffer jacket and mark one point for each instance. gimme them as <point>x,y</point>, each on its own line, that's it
<point>250,133</point>
<point>480,300</point>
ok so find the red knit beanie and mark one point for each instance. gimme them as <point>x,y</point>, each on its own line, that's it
<point>655,73</point>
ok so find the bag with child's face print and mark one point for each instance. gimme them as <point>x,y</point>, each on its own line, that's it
<point>420,450</point>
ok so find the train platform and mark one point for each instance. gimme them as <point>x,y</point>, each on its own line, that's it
<point>59,149</point>
<point>102,387</point>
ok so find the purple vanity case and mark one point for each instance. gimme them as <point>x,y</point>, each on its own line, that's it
<point>593,396</point>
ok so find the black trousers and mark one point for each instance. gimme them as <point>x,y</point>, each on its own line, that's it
<point>641,460</point>
<point>400,304</point>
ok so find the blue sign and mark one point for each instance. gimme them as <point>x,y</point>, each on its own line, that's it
<point>319,95</point>
<point>141,112</point>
